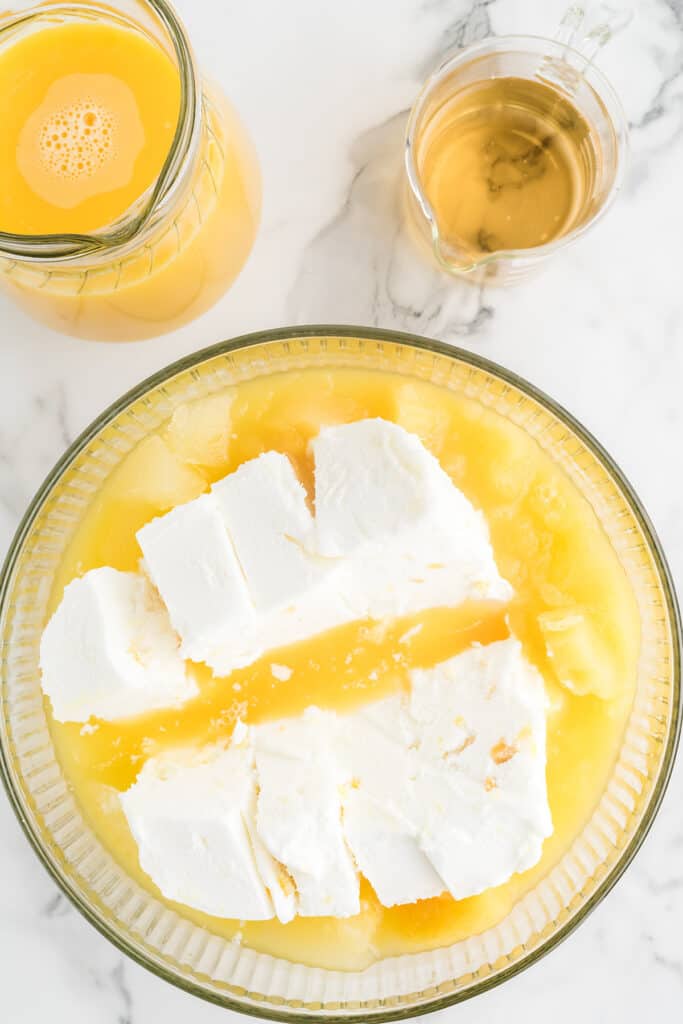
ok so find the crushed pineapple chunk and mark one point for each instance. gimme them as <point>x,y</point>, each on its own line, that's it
<point>319,407</point>
<point>153,474</point>
<point>579,655</point>
<point>418,411</point>
<point>199,431</point>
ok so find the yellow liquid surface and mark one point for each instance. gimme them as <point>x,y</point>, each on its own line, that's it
<point>547,542</point>
<point>89,111</point>
<point>507,163</point>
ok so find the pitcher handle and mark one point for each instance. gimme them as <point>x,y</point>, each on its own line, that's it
<point>588,30</point>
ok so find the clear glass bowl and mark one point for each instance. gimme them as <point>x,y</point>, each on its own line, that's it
<point>234,976</point>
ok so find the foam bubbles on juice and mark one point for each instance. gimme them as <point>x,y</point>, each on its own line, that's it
<point>77,140</point>
<point>82,141</point>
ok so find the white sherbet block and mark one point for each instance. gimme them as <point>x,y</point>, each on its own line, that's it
<point>375,480</point>
<point>440,789</point>
<point>190,816</point>
<point>392,536</point>
<point>264,508</point>
<point>482,713</point>
<point>375,748</point>
<point>414,539</point>
<point>299,815</point>
<point>190,558</point>
<point>109,650</point>
<point>475,843</point>
<point>481,790</point>
<point>276,878</point>
<point>370,482</point>
<point>387,853</point>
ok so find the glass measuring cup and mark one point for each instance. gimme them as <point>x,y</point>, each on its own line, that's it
<point>564,63</point>
<point>173,252</point>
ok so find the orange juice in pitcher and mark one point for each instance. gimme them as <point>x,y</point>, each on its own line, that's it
<point>130,192</point>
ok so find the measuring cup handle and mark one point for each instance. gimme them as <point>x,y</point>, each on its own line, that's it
<point>587,31</point>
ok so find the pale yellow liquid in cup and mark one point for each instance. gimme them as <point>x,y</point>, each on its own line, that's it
<point>507,163</point>
<point>89,111</point>
<point>547,542</point>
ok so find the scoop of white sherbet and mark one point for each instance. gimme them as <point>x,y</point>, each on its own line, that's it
<point>247,568</point>
<point>481,790</point>
<point>190,814</point>
<point>442,789</point>
<point>109,650</point>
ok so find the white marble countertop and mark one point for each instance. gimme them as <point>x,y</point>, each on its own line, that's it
<point>324,88</point>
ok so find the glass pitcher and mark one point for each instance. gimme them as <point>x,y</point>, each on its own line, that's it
<point>566,64</point>
<point>177,249</point>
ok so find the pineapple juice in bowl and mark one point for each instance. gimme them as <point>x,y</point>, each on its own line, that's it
<point>573,611</point>
<point>556,523</point>
<point>132,194</point>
